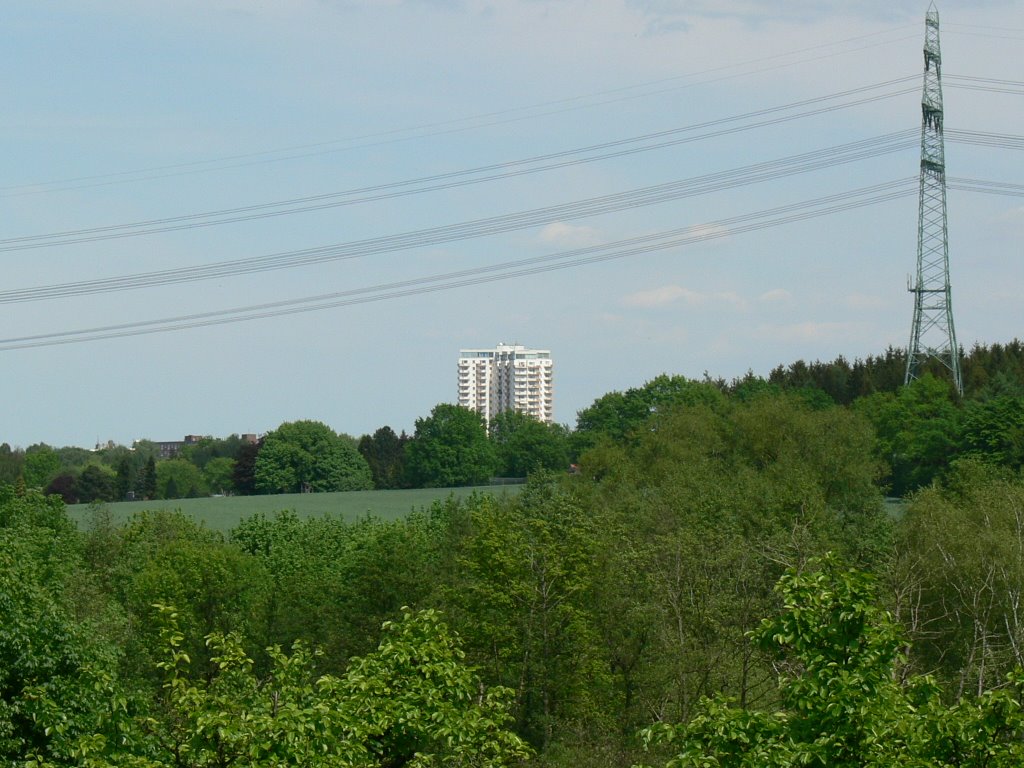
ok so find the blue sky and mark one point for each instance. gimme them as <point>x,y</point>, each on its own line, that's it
<point>118,112</point>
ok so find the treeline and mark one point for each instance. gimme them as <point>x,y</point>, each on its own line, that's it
<point>450,447</point>
<point>987,372</point>
<point>920,432</point>
<point>562,622</point>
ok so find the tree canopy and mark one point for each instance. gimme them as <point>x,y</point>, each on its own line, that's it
<point>450,448</point>
<point>524,445</point>
<point>309,456</point>
<point>843,699</point>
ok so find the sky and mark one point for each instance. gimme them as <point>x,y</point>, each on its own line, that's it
<point>454,174</point>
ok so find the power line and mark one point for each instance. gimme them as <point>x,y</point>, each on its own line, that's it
<point>778,216</point>
<point>566,158</point>
<point>454,179</point>
<point>436,128</point>
<point>986,187</point>
<point>983,139</point>
<point>814,208</point>
<point>828,157</point>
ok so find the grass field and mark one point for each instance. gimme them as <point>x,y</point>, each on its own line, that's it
<point>224,513</point>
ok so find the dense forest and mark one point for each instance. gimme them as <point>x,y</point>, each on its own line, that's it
<point>720,582</point>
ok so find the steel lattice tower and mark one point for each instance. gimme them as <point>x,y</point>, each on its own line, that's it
<point>932,334</point>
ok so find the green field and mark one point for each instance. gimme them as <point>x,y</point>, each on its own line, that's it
<point>223,513</point>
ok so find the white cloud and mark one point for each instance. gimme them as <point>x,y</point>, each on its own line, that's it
<point>775,295</point>
<point>809,331</point>
<point>863,301</point>
<point>670,294</point>
<point>563,234</point>
<point>708,232</point>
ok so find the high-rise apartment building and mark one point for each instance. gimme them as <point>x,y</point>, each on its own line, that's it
<point>508,377</point>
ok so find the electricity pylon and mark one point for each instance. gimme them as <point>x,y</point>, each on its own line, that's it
<point>932,334</point>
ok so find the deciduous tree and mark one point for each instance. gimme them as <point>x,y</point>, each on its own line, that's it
<point>450,448</point>
<point>96,483</point>
<point>179,479</point>
<point>842,701</point>
<point>309,456</point>
<point>41,465</point>
<point>525,445</point>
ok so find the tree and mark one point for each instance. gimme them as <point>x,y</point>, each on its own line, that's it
<point>178,479</point>
<point>334,582</point>
<point>63,485</point>
<point>697,514</point>
<point>148,481</point>
<point>56,666</point>
<point>992,430</point>
<point>124,483</point>
<point>11,462</point>
<point>384,451</point>
<point>243,476</point>
<point>73,458</point>
<point>842,700</point>
<point>96,483</point>
<point>168,556</point>
<point>309,456</point>
<point>208,448</point>
<point>524,444</point>
<point>618,415</point>
<point>450,448</point>
<point>523,587</point>
<point>219,473</point>
<point>959,576</point>
<point>412,702</point>
<point>41,465</point>
<point>917,431</point>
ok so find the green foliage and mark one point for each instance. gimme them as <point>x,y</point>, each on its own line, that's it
<point>218,474</point>
<point>411,702</point>
<point>178,478</point>
<point>450,448</point>
<point>695,516</point>
<point>992,430</point>
<point>41,465</point>
<point>521,593</point>
<point>243,477</point>
<point>11,462</point>
<point>417,704</point>
<point>958,577</point>
<point>525,445</point>
<point>771,465</point>
<point>917,431</point>
<point>163,556</point>
<point>843,703</point>
<point>333,582</point>
<point>96,483</point>
<point>384,451</point>
<point>308,456</point>
<point>56,669</point>
<point>149,479</point>
<point>616,416</point>
<point>202,452</point>
<point>74,459</point>
<point>124,483</point>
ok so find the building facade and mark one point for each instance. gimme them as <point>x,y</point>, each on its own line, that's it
<point>508,377</point>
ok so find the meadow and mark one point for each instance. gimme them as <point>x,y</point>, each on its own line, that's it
<point>222,513</point>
